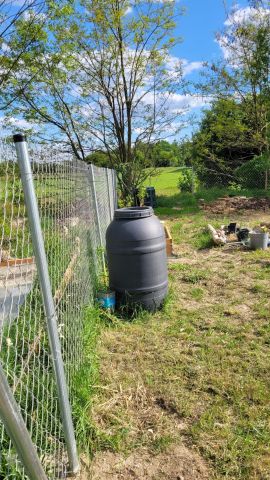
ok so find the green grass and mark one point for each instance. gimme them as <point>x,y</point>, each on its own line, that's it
<point>165,180</point>
<point>197,372</point>
<point>173,203</point>
<point>52,199</point>
<point>207,359</point>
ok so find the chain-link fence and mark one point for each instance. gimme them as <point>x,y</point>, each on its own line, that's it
<point>250,174</point>
<point>76,203</point>
<point>254,176</point>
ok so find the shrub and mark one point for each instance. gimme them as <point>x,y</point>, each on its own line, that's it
<point>188,181</point>
<point>252,173</point>
<point>235,187</point>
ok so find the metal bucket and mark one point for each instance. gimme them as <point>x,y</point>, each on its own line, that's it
<point>259,240</point>
<point>106,300</point>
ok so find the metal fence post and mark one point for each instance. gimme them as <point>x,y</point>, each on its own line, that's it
<point>193,181</point>
<point>49,306</point>
<point>17,431</point>
<point>109,193</point>
<point>115,190</point>
<point>92,180</point>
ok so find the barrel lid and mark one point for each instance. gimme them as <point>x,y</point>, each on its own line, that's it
<point>133,212</point>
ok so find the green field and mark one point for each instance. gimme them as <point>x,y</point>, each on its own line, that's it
<point>165,180</point>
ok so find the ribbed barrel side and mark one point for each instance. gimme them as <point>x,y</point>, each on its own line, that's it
<point>137,261</point>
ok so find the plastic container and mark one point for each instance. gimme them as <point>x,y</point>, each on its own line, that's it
<point>243,234</point>
<point>150,197</point>
<point>232,227</point>
<point>137,261</point>
<point>259,240</point>
<point>106,300</point>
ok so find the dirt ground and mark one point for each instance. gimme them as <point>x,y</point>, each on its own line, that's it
<point>178,463</point>
<point>229,205</point>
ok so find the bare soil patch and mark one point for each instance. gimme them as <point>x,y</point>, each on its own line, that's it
<point>177,463</point>
<point>227,205</point>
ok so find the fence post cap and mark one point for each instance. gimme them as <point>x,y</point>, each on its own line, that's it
<point>19,137</point>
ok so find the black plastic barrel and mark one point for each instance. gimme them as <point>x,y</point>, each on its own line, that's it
<point>150,197</point>
<point>137,261</point>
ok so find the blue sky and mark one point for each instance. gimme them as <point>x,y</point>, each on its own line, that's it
<point>198,26</point>
<point>203,18</point>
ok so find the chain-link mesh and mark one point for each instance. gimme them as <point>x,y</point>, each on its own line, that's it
<point>253,174</point>
<point>72,230</point>
<point>102,192</point>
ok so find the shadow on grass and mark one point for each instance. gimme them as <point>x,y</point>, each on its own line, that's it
<point>177,204</point>
<point>175,170</point>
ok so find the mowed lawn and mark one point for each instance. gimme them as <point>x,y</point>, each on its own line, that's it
<point>165,180</point>
<point>185,393</point>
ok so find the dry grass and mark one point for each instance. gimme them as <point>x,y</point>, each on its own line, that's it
<point>195,376</point>
<point>177,463</point>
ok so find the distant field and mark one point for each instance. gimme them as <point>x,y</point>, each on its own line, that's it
<point>165,181</point>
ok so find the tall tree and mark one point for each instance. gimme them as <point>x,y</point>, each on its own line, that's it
<point>125,61</point>
<point>242,76</point>
<point>12,13</point>
<point>223,142</point>
<point>105,79</point>
<point>43,84</point>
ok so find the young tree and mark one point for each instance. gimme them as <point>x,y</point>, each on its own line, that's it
<point>105,79</point>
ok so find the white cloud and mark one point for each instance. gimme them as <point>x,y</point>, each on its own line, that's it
<point>175,64</point>
<point>240,16</point>
<point>178,102</point>
<point>5,47</point>
<point>12,122</point>
<point>223,43</point>
<point>128,10</point>
<point>187,102</point>
<point>32,15</point>
<point>189,67</point>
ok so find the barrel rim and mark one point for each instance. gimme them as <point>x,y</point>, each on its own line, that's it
<point>133,212</point>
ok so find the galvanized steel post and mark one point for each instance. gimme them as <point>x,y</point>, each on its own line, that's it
<point>48,301</point>
<point>111,207</point>
<point>193,181</point>
<point>13,421</point>
<point>95,203</point>
<point>92,180</point>
<point>115,190</point>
